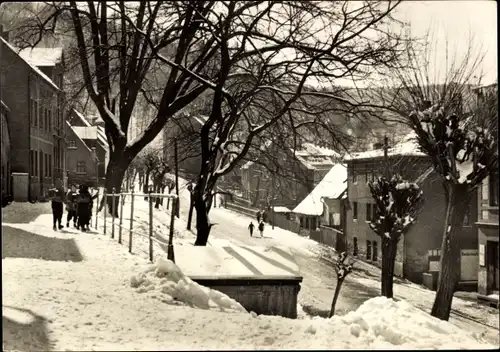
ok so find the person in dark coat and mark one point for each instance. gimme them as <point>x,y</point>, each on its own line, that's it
<point>71,206</point>
<point>261,228</point>
<point>83,210</point>
<point>251,227</point>
<point>258,216</point>
<point>57,196</point>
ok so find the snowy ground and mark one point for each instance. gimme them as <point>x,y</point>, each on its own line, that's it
<point>68,290</point>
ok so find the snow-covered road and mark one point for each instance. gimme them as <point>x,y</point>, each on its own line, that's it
<point>68,290</point>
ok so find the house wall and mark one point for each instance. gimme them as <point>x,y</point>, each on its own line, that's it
<point>80,153</point>
<point>425,235</point>
<point>488,237</point>
<point>5,151</point>
<point>30,98</point>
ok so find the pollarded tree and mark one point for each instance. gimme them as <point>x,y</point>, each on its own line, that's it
<point>397,202</point>
<point>464,154</point>
<point>342,269</point>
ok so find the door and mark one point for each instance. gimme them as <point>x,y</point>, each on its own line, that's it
<point>493,266</point>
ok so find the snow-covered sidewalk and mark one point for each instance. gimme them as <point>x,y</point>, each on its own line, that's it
<point>69,290</point>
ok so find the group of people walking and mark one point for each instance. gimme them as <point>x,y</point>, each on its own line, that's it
<point>261,217</point>
<point>78,205</point>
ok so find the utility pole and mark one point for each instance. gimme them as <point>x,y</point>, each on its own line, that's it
<point>177,203</point>
<point>386,158</point>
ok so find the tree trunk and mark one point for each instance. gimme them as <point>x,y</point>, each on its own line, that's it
<point>203,225</point>
<point>157,190</point>
<point>335,297</point>
<point>389,249</point>
<point>190,215</point>
<point>449,274</point>
<point>162,192</point>
<point>114,176</point>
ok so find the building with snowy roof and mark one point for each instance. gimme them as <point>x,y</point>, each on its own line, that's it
<point>35,120</point>
<point>88,150</point>
<point>298,173</point>
<point>419,250</point>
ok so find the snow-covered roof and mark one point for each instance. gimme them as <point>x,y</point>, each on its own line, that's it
<point>42,56</point>
<point>101,136</point>
<point>32,66</point>
<point>408,146</point>
<point>313,156</point>
<point>82,118</point>
<point>333,185</point>
<point>281,209</point>
<point>86,132</point>
<point>78,136</point>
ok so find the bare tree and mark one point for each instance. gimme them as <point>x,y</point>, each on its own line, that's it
<point>342,269</point>
<point>462,148</point>
<point>397,203</point>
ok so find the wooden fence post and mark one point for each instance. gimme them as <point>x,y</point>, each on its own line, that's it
<point>131,222</point>
<point>170,251</point>
<point>150,227</point>
<point>113,212</point>
<point>105,209</point>
<point>122,199</point>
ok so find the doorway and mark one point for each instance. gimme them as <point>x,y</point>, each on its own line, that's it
<point>492,249</point>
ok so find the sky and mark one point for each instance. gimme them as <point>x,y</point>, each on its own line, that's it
<point>453,20</point>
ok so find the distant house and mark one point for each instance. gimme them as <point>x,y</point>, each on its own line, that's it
<point>419,250</point>
<point>185,131</point>
<point>35,120</point>
<point>300,172</point>
<point>323,205</point>
<point>88,151</point>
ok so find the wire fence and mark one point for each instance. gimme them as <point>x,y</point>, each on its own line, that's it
<point>125,214</point>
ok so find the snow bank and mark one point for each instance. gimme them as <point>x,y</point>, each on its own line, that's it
<point>378,323</point>
<point>175,287</point>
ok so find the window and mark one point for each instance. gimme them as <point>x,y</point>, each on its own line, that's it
<point>40,172</point>
<point>355,245</point>
<point>72,144</point>
<point>493,186</point>
<point>32,163</point>
<point>35,157</point>
<point>49,127</point>
<point>50,165</point>
<point>375,251</point>
<point>369,212</point>
<point>35,113</point>
<point>80,167</point>
<point>354,210</point>
<point>368,250</point>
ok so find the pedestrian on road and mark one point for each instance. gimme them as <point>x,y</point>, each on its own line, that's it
<point>57,197</point>
<point>261,228</point>
<point>71,205</point>
<point>251,227</point>
<point>84,199</point>
<point>258,216</point>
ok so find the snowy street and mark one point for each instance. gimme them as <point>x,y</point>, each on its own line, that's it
<point>68,290</point>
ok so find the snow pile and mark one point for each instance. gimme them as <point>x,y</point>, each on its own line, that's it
<point>175,287</point>
<point>383,323</point>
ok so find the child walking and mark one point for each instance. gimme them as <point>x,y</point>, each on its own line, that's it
<point>261,228</point>
<point>251,227</point>
<point>71,205</point>
<point>57,196</point>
